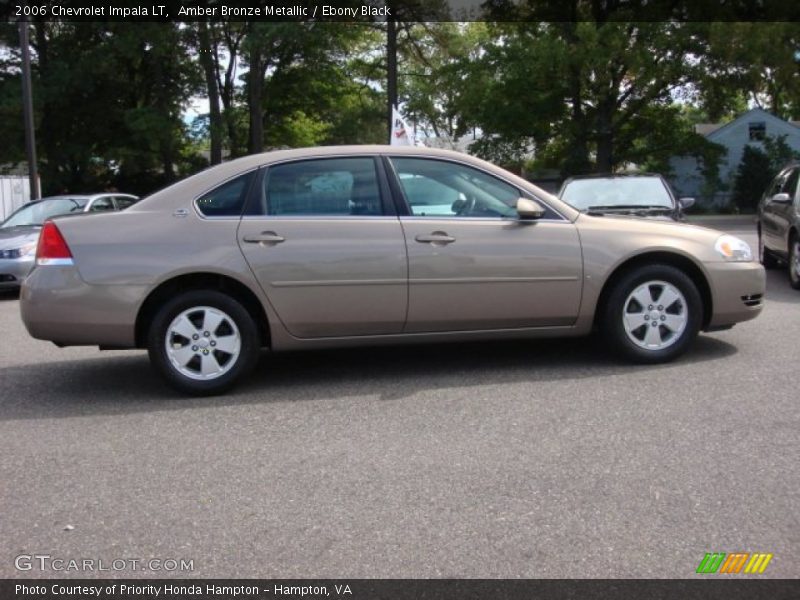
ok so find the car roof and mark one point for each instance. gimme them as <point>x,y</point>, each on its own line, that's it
<point>86,196</point>
<point>612,176</point>
<point>176,194</point>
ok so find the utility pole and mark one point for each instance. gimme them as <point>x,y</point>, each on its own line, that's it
<point>27,106</point>
<point>391,69</point>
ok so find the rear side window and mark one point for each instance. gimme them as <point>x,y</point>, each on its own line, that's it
<point>322,187</point>
<point>102,205</point>
<point>226,200</point>
<point>124,202</point>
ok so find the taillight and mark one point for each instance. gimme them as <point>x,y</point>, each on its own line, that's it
<point>52,248</point>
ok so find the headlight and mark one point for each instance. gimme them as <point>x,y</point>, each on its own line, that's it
<point>734,249</point>
<point>26,250</point>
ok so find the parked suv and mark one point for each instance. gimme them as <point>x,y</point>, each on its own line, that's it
<point>779,223</point>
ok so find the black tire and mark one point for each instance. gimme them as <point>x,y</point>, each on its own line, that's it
<point>243,361</point>
<point>766,257</point>
<point>794,267</point>
<point>612,317</point>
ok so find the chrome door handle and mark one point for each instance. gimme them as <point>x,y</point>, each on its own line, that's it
<point>437,238</point>
<point>265,237</point>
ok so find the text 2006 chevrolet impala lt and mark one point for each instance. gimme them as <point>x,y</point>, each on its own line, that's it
<point>340,246</point>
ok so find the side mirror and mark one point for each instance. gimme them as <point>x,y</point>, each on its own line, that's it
<point>782,198</point>
<point>529,209</point>
<point>686,203</point>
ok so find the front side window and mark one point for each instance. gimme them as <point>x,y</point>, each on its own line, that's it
<point>436,188</point>
<point>790,184</point>
<point>322,187</point>
<point>226,200</point>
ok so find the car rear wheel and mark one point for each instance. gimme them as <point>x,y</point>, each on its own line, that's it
<point>202,342</point>
<point>766,257</point>
<point>652,313</point>
<point>794,261</point>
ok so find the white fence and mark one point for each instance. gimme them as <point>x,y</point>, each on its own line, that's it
<point>14,192</point>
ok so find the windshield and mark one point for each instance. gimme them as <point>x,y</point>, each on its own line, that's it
<point>608,192</point>
<point>36,213</point>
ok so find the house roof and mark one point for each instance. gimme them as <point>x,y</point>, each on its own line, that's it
<point>709,130</point>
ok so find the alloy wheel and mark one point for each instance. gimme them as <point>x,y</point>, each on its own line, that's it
<point>203,343</point>
<point>655,315</point>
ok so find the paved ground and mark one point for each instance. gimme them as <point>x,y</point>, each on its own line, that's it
<point>544,459</point>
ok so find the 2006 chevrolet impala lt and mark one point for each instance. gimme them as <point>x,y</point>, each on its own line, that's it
<point>340,246</point>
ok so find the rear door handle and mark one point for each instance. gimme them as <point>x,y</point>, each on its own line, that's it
<point>265,237</point>
<point>436,238</point>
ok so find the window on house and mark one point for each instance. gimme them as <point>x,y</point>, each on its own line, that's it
<point>757,130</point>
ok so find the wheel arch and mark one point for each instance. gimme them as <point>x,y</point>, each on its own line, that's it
<point>200,281</point>
<point>679,261</point>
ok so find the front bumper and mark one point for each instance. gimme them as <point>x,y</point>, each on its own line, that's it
<point>14,270</point>
<point>737,292</point>
<point>58,306</point>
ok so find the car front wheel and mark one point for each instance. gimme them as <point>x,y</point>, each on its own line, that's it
<point>202,342</point>
<point>652,313</point>
<point>764,255</point>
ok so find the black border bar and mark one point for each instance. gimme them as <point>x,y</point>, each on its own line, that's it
<point>711,588</point>
<point>402,10</point>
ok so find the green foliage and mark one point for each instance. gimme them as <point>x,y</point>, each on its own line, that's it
<point>595,93</point>
<point>758,168</point>
<point>752,177</point>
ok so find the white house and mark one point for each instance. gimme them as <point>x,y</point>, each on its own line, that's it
<point>749,128</point>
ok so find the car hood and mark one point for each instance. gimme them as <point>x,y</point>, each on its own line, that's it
<point>15,237</point>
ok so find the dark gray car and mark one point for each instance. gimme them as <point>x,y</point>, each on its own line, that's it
<point>19,233</point>
<point>779,223</point>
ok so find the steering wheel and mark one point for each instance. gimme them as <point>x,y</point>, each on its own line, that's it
<point>464,206</point>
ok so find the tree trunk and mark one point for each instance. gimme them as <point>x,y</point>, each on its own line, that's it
<point>255,90</point>
<point>605,137</point>
<point>215,116</point>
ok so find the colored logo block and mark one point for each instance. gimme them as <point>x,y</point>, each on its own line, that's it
<point>734,563</point>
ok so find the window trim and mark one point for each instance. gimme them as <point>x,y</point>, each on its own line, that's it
<point>387,208</point>
<point>404,207</point>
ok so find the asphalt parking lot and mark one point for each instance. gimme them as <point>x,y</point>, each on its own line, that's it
<point>534,459</point>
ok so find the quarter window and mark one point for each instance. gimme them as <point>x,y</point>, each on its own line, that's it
<point>435,188</point>
<point>323,187</point>
<point>226,200</point>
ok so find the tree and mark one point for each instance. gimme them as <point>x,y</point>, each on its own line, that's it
<point>591,87</point>
<point>753,62</point>
<point>758,168</point>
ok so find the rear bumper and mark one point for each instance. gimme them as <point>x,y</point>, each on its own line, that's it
<point>14,270</point>
<point>737,291</point>
<point>58,306</point>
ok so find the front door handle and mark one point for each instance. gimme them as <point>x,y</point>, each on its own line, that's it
<point>265,237</point>
<point>436,238</point>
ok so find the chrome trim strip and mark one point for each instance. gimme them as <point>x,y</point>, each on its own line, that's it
<point>352,282</point>
<point>492,279</point>
<point>337,282</point>
<point>55,262</point>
